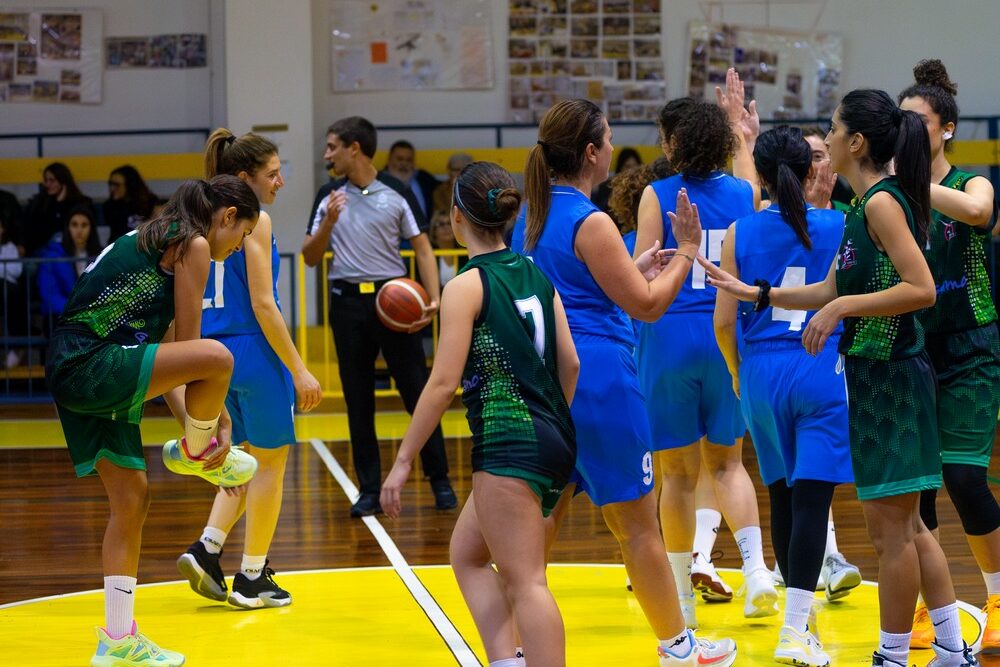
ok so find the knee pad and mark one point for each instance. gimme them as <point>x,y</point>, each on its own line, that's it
<point>928,508</point>
<point>977,508</point>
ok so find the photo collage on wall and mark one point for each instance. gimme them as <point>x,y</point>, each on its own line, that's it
<point>157,51</point>
<point>791,75</point>
<point>607,51</point>
<point>49,57</point>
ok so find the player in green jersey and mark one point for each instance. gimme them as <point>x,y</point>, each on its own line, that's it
<point>504,334</point>
<point>962,340</point>
<point>131,332</point>
<point>876,283</point>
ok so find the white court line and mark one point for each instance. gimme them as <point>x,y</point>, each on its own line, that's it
<point>449,633</point>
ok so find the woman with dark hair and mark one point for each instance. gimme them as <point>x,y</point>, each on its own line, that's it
<point>962,340</point>
<point>694,416</point>
<point>129,201</point>
<point>879,280</point>
<point>800,433</point>
<point>57,279</point>
<point>628,159</point>
<point>130,332</point>
<point>47,212</point>
<point>580,250</point>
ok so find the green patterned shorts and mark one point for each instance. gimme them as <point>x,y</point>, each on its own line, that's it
<point>893,426</point>
<point>967,364</point>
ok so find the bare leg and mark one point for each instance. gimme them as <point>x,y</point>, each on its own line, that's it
<point>511,523</point>
<point>679,470</point>
<point>986,549</point>
<point>704,491</point>
<point>935,579</point>
<point>891,529</point>
<point>733,486</point>
<point>128,494</point>
<point>263,502</point>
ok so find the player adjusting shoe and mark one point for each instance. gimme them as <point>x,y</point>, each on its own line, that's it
<point>839,576</point>
<point>238,469</point>
<point>800,648</point>
<point>991,634</point>
<point>133,650</point>
<point>945,658</point>
<point>923,629</point>
<point>761,597</point>
<point>703,652</point>
<point>203,572</point>
<point>706,580</point>
<point>259,592</point>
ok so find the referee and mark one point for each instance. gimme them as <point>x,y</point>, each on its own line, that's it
<point>362,217</point>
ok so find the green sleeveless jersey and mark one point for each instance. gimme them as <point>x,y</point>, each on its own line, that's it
<point>864,269</point>
<point>957,257</point>
<point>123,297</point>
<point>515,405</point>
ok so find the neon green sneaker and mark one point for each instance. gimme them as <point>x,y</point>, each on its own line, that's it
<point>238,469</point>
<point>132,650</point>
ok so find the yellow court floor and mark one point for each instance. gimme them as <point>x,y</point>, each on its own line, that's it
<point>369,616</point>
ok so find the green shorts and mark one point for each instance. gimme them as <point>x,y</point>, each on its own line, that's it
<point>967,364</point>
<point>100,390</point>
<point>547,490</point>
<point>893,426</point>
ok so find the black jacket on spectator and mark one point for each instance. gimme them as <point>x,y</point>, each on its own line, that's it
<point>45,218</point>
<point>122,216</point>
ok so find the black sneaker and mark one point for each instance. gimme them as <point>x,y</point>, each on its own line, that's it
<point>444,495</point>
<point>259,592</point>
<point>367,505</point>
<point>203,572</point>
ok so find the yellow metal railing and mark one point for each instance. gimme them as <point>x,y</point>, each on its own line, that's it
<point>324,365</point>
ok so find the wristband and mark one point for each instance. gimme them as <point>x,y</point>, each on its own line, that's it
<point>763,295</point>
<point>686,256</point>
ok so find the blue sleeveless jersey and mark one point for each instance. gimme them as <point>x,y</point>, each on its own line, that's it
<point>768,249</point>
<point>588,308</point>
<point>226,308</point>
<point>721,199</point>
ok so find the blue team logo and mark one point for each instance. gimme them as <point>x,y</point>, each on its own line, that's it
<point>949,231</point>
<point>848,257</point>
<point>141,337</point>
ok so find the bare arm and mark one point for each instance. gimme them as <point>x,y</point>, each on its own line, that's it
<point>190,276</point>
<point>745,127</point>
<point>317,243</point>
<point>649,222</point>
<point>260,280</point>
<point>566,357</point>
<point>724,319</point>
<point>974,206</point>
<point>175,396</point>
<point>463,299</point>
<point>807,297</point>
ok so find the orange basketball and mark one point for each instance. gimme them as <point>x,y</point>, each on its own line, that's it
<point>400,303</point>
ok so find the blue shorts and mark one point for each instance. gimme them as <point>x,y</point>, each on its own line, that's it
<point>796,409</point>
<point>688,389</point>
<point>613,462</point>
<point>261,398</point>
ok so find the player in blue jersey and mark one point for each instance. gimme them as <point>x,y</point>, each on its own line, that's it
<point>694,416</point>
<point>579,249</point>
<point>801,432</point>
<point>241,310</point>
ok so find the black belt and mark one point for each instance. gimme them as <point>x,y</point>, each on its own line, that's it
<point>345,288</point>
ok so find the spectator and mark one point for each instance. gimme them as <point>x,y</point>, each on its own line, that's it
<point>15,314</point>
<point>842,194</point>
<point>627,159</point>
<point>402,164</point>
<point>49,209</point>
<point>56,279</point>
<point>13,214</point>
<point>129,201</point>
<point>443,238</point>
<point>442,194</point>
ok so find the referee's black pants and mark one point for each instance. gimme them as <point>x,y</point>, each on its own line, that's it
<point>358,336</point>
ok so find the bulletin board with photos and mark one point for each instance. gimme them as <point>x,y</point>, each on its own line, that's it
<point>791,75</point>
<point>156,51</point>
<point>607,51</point>
<point>410,45</point>
<point>50,56</point>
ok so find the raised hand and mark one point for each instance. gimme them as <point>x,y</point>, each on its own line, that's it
<point>685,223</point>
<point>819,186</point>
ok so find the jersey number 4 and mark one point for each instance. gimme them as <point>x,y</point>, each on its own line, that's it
<point>532,307</point>
<point>218,299</point>
<point>795,276</point>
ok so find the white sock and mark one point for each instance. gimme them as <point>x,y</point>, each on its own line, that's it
<point>751,548</point>
<point>797,605</point>
<point>680,563</point>
<point>679,646</point>
<point>895,647</point>
<point>706,529</point>
<point>252,566</point>
<point>506,662</point>
<point>992,580</point>
<point>213,539</point>
<point>519,656</point>
<point>198,434</point>
<point>947,630</point>
<point>831,540</point>
<point>119,605</point>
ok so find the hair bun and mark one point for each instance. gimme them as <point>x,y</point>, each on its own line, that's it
<point>508,201</point>
<point>933,73</point>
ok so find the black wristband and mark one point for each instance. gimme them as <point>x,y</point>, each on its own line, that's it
<point>763,295</point>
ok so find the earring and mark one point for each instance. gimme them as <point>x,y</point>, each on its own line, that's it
<point>947,135</point>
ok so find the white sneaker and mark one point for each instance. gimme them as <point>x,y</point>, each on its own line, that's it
<point>839,577</point>
<point>238,469</point>
<point>945,658</point>
<point>721,653</point>
<point>800,648</point>
<point>776,577</point>
<point>687,609</point>
<point>706,580</point>
<point>761,597</point>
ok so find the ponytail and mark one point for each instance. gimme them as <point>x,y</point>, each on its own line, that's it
<point>225,153</point>
<point>913,168</point>
<point>792,203</point>
<point>539,194</point>
<point>782,158</point>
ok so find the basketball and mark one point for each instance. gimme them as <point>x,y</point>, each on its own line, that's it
<point>400,303</point>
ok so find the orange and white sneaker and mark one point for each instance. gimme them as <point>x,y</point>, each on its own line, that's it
<point>991,635</point>
<point>702,653</point>
<point>706,580</point>
<point>923,629</point>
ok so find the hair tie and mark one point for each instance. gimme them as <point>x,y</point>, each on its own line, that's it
<point>491,200</point>
<point>542,143</point>
<point>897,116</point>
<point>231,139</point>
